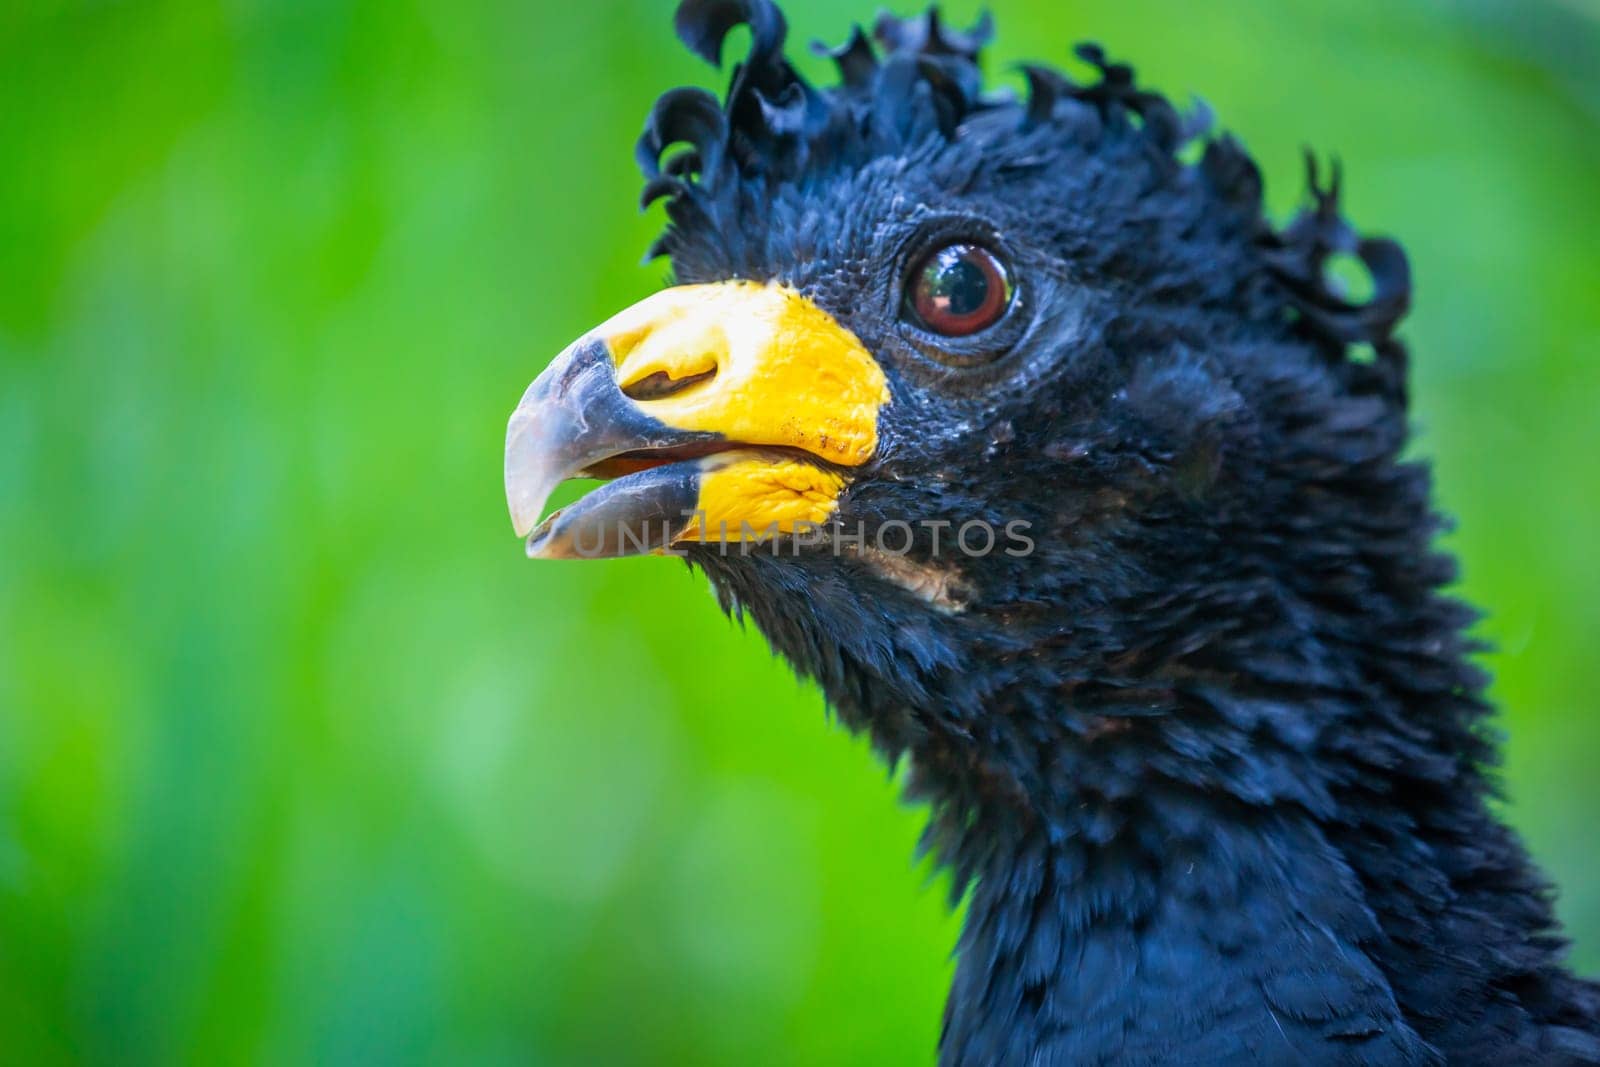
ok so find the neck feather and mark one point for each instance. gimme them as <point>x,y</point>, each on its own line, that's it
<point>1199,810</point>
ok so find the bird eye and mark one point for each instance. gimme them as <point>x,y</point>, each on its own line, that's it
<point>959,290</point>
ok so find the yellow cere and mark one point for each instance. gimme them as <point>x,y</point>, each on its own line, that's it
<point>787,373</point>
<point>761,492</point>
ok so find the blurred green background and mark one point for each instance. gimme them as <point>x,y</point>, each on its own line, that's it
<point>301,760</point>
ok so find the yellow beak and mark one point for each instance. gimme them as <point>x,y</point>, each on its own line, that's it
<point>728,411</point>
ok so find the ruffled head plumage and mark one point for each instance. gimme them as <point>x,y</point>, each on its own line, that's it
<point>915,80</point>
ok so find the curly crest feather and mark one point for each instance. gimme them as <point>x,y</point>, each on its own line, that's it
<point>924,81</point>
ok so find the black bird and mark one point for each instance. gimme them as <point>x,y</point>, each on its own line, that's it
<point>1079,487</point>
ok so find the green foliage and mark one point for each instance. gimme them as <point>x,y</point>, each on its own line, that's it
<point>300,760</point>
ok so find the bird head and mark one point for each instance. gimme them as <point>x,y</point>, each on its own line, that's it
<point>951,375</point>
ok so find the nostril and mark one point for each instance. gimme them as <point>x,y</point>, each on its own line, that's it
<point>660,385</point>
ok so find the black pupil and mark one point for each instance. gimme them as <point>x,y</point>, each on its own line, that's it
<point>955,282</point>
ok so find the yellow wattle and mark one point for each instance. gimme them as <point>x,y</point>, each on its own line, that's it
<point>750,498</point>
<point>787,373</point>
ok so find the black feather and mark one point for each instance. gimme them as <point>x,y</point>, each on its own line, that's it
<point>1210,761</point>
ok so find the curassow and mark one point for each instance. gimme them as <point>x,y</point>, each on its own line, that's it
<point>1013,422</point>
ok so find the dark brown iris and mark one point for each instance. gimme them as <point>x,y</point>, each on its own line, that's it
<point>959,290</point>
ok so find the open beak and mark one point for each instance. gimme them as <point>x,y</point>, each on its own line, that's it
<point>729,411</point>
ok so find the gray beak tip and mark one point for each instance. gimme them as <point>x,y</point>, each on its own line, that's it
<point>529,479</point>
